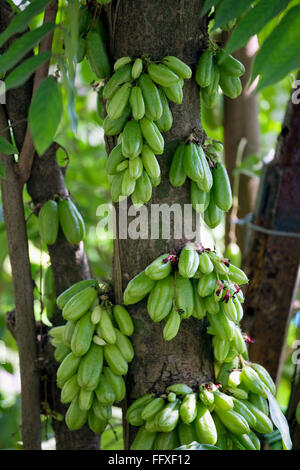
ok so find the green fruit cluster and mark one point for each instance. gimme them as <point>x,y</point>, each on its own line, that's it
<point>137,104</point>
<point>217,69</point>
<point>63,214</point>
<point>210,190</point>
<point>93,349</point>
<point>91,43</point>
<point>192,282</point>
<point>208,414</point>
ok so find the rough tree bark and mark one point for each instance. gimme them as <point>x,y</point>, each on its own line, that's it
<point>273,261</point>
<point>69,262</point>
<point>241,121</point>
<point>158,29</point>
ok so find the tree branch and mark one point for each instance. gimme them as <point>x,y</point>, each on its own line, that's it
<point>28,151</point>
<point>23,293</point>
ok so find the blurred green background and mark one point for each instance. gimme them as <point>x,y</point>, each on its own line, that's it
<point>87,182</point>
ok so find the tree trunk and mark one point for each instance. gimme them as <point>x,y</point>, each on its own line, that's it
<point>241,122</point>
<point>159,29</point>
<point>273,260</point>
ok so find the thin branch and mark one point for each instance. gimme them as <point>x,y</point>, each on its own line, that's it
<point>23,168</point>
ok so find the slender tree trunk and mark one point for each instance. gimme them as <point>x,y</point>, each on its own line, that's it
<point>158,29</point>
<point>273,260</point>
<point>241,122</point>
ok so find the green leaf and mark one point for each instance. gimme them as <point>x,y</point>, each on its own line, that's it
<point>20,22</point>
<point>23,71</point>
<point>279,54</point>
<point>280,421</point>
<point>196,446</point>
<point>6,147</point>
<point>45,114</point>
<point>253,22</point>
<point>22,45</point>
<point>208,5</point>
<point>228,10</point>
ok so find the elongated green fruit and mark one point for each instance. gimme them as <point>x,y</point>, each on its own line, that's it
<point>240,407</point>
<point>123,319</point>
<point>188,408</point>
<point>115,360</point>
<point>79,304</point>
<point>260,402</point>
<point>167,419</point>
<point>174,93</point>
<point>187,433</point>
<point>263,423</point>
<point>69,390</point>
<point>121,63</point>
<point>188,261</point>
<point>160,268</point>
<point>178,66</point>
<point>75,417</point>
<point>135,168</point>
<point>160,300</point>
<point>229,64</point>
<point>90,368</point>
<point>136,102</point>
<point>132,140</point>
<point>177,175</point>
<point>70,221</point>
<point>95,424</point>
<point>66,295</point>
<point>144,187</point>
<point>253,382</point>
<point>221,187</point>
<point>179,389</point>
<point>152,135</point>
<point>85,399</point>
<point>265,377</point>
<point>116,382</point>
<point>152,408</point>
<point>172,325</point>
<point>104,392</point>
<point>153,106</point>
<point>232,420</point>
<point>192,163</point>
<point>143,440</point>
<point>128,183</point>
<point>213,214</point>
<point>184,296</point>
<point>67,368</point>
<point>121,76</point>
<point>106,328</point>
<point>82,335</point>
<point>115,126</point>
<point>49,222</point>
<point>118,102</point>
<point>199,198</point>
<point>164,123</point>
<point>124,345</point>
<point>138,288</point>
<point>166,440</point>
<point>97,55</point>
<point>223,401</point>
<point>204,69</point>
<point>61,352</point>
<point>162,75</point>
<point>137,68</point>
<point>237,275</point>
<point>204,425</point>
<point>231,86</point>
<point>150,162</point>
<point>103,412</point>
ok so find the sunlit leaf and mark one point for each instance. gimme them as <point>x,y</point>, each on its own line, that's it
<point>23,71</point>
<point>21,46</point>
<point>251,23</point>
<point>20,22</point>
<point>279,54</point>
<point>45,114</point>
<point>229,10</point>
